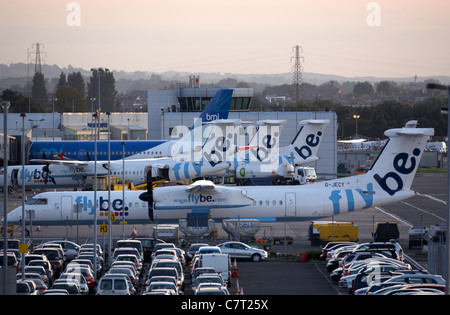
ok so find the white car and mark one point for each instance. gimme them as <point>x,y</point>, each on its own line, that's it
<point>242,250</point>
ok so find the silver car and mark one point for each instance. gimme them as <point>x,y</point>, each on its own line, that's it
<point>242,250</point>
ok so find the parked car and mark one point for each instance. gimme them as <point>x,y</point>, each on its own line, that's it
<point>171,263</point>
<point>86,272</point>
<point>79,278</point>
<point>129,257</point>
<point>55,256</point>
<point>212,291</point>
<point>24,288</point>
<point>127,251</point>
<point>39,270</point>
<point>148,244</point>
<point>72,287</point>
<point>47,266</point>
<point>201,270</point>
<point>242,250</point>
<point>56,292</point>
<point>163,271</point>
<point>333,246</point>
<point>208,278</point>
<point>193,249</point>
<point>71,249</point>
<point>374,245</point>
<point>162,246</point>
<point>162,285</point>
<point>130,273</point>
<point>11,258</point>
<point>133,244</point>
<point>111,284</point>
<point>418,278</point>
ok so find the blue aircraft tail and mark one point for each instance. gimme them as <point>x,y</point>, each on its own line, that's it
<point>218,107</point>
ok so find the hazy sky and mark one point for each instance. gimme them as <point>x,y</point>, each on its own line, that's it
<point>397,38</point>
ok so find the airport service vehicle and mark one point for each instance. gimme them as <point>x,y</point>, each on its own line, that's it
<point>322,232</point>
<point>220,262</point>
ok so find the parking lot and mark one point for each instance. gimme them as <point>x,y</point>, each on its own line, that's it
<point>286,276</point>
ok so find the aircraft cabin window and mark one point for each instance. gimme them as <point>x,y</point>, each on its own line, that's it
<point>267,202</point>
<point>37,201</point>
<point>260,203</point>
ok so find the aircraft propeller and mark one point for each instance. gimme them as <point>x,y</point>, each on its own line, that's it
<point>148,195</point>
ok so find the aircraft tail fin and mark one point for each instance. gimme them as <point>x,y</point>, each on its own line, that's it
<point>396,165</point>
<point>218,107</point>
<point>305,145</point>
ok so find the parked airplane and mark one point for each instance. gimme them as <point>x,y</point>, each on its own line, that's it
<point>217,108</point>
<point>76,172</point>
<point>388,181</point>
<point>302,150</point>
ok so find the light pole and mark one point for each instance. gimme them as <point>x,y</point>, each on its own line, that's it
<point>435,86</point>
<point>5,106</point>
<point>109,194</point>
<point>97,131</point>
<point>53,115</point>
<point>23,115</point>
<point>356,122</point>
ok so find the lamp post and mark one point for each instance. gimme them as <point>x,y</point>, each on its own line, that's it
<point>435,86</point>
<point>53,115</point>
<point>5,106</point>
<point>23,115</point>
<point>356,122</point>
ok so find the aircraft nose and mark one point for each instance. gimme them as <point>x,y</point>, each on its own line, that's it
<point>15,216</point>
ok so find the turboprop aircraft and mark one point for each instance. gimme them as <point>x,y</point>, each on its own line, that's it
<point>280,161</point>
<point>388,181</point>
<point>60,171</point>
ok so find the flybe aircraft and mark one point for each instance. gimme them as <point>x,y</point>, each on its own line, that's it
<point>269,160</point>
<point>218,108</point>
<point>388,181</point>
<point>76,155</point>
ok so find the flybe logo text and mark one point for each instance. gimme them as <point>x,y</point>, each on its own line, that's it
<point>403,164</point>
<point>312,141</point>
<point>204,198</point>
<point>88,204</point>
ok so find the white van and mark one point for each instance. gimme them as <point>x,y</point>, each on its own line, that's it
<point>111,284</point>
<point>220,262</point>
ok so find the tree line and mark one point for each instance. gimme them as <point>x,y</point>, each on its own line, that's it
<point>72,94</point>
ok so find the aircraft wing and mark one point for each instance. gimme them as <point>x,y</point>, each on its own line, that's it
<point>61,162</point>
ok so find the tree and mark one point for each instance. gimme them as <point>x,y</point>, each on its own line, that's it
<point>21,103</point>
<point>75,80</point>
<point>363,88</point>
<point>62,81</point>
<point>39,91</point>
<point>108,93</point>
<point>69,99</point>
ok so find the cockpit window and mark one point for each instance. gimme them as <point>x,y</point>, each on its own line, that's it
<point>37,201</point>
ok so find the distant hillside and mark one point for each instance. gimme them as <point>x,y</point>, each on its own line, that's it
<point>16,75</point>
